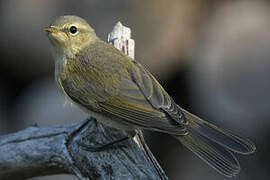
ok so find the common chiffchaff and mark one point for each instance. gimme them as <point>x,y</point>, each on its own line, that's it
<point>122,94</point>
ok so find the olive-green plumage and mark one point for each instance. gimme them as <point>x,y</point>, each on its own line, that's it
<point>122,94</point>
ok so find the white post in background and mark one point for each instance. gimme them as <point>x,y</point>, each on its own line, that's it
<point>120,37</point>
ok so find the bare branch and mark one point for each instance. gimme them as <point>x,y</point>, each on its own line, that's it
<point>38,151</point>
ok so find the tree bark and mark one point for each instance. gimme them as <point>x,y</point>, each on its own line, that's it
<point>39,151</point>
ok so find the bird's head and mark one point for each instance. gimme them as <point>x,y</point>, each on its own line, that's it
<point>70,35</point>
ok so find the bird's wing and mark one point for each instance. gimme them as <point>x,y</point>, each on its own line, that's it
<point>131,105</point>
<point>141,100</point>
<point>155,93</point>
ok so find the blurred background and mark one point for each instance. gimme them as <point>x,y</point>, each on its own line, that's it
<point>212,56</point>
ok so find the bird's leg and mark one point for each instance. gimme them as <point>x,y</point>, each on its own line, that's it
<point>101,147</point>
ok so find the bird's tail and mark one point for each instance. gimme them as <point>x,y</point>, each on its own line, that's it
<point>214,145</point>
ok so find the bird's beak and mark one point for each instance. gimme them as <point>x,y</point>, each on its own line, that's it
<point>51,29</point>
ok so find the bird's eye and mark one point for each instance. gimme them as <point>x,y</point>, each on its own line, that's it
<point>73,30</point>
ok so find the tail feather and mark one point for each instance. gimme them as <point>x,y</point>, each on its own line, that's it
<point>224,138</point>
<point>213,145</point>
<point>212,153</point>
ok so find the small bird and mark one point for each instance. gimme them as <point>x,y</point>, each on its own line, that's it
<point>122,94</point>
